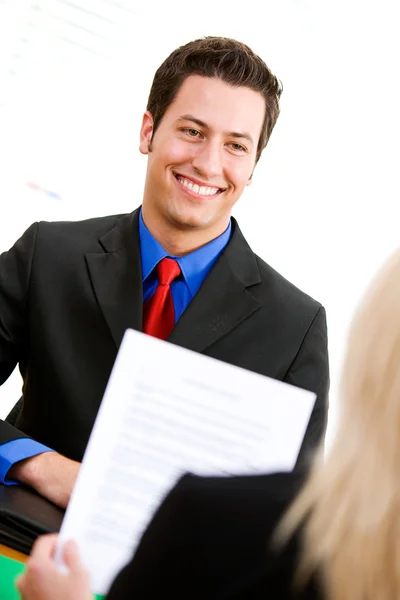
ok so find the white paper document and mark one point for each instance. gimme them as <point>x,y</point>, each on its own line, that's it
<point>168,410</point>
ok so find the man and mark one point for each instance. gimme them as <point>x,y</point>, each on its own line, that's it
<point>178,268</point>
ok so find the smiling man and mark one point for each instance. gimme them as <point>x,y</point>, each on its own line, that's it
<point>200,160</point>
<point>177,268</point>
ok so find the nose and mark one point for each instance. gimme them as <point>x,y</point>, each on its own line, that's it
<point>208,160</point>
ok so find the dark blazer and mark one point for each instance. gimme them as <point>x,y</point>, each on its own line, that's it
<point>69,290</point>
<point>211,539</point>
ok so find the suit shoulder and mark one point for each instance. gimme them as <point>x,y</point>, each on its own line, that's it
<point>97,225</point>
<point>77,234</point>
<point>288,292</point>
<point>240,492</point>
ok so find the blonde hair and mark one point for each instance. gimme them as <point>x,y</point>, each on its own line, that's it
<point>350,505</point>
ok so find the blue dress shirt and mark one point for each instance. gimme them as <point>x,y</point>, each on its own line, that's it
<point>194,269</point>
<point>194,266</point>
<point>16,450</point>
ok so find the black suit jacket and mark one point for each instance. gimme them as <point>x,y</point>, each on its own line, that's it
<point>211,539</point>
<point>69,290</point>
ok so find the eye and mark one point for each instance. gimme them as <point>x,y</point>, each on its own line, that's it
<point>194,133</point>
<point>238,147</point>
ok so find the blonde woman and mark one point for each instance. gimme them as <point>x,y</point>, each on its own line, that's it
<point>336,537</point>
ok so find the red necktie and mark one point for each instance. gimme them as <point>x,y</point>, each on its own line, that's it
<point>158,311</point>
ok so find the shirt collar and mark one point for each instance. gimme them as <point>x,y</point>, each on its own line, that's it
<point>194,266</point>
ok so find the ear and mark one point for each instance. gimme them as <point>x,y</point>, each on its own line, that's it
<point>146,132</point>
<point>250,180</point>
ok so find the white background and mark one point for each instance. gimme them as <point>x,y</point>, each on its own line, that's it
<point>74,80</point>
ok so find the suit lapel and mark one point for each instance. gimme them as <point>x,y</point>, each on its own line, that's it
<point>223,301</point>
<point>116,275</point>
<point>220,305</point>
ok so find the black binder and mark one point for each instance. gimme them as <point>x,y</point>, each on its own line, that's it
<point>24,515</point>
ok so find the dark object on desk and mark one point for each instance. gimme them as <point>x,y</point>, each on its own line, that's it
<point>24,515</point>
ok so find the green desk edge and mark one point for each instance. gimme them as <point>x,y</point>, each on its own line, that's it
<point>9,570</point>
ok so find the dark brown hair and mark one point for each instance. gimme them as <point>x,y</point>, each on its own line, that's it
<point>229,60</point>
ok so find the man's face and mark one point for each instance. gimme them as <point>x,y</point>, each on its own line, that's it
<point>202,154</point>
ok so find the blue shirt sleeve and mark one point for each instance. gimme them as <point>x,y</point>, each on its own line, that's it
<point>16,450</point>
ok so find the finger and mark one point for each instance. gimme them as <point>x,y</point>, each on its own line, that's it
<point>20,582</point>
<point>44,547</point>
<point>72,557</point>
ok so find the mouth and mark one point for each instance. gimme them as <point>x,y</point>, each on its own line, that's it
<point>198,190</point>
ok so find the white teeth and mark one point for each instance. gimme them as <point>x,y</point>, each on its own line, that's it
<point>201,190</point>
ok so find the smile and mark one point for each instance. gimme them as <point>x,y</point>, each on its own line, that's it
<point>195,189</point>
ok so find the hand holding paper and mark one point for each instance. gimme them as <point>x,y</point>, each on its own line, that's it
<point>167,410</point>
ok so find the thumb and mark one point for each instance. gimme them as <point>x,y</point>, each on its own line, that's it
<point>20,582</point>
<point>72,557</point>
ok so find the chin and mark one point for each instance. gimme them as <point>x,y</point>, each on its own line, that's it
<point>190,218</point>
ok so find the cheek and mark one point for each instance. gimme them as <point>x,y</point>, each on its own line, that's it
<point>239,175</point>
<point>175,151</point>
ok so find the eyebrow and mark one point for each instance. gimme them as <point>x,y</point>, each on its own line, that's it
<point>234,134</point>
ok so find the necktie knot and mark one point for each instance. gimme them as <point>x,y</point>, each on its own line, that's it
<point>167,270</point>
